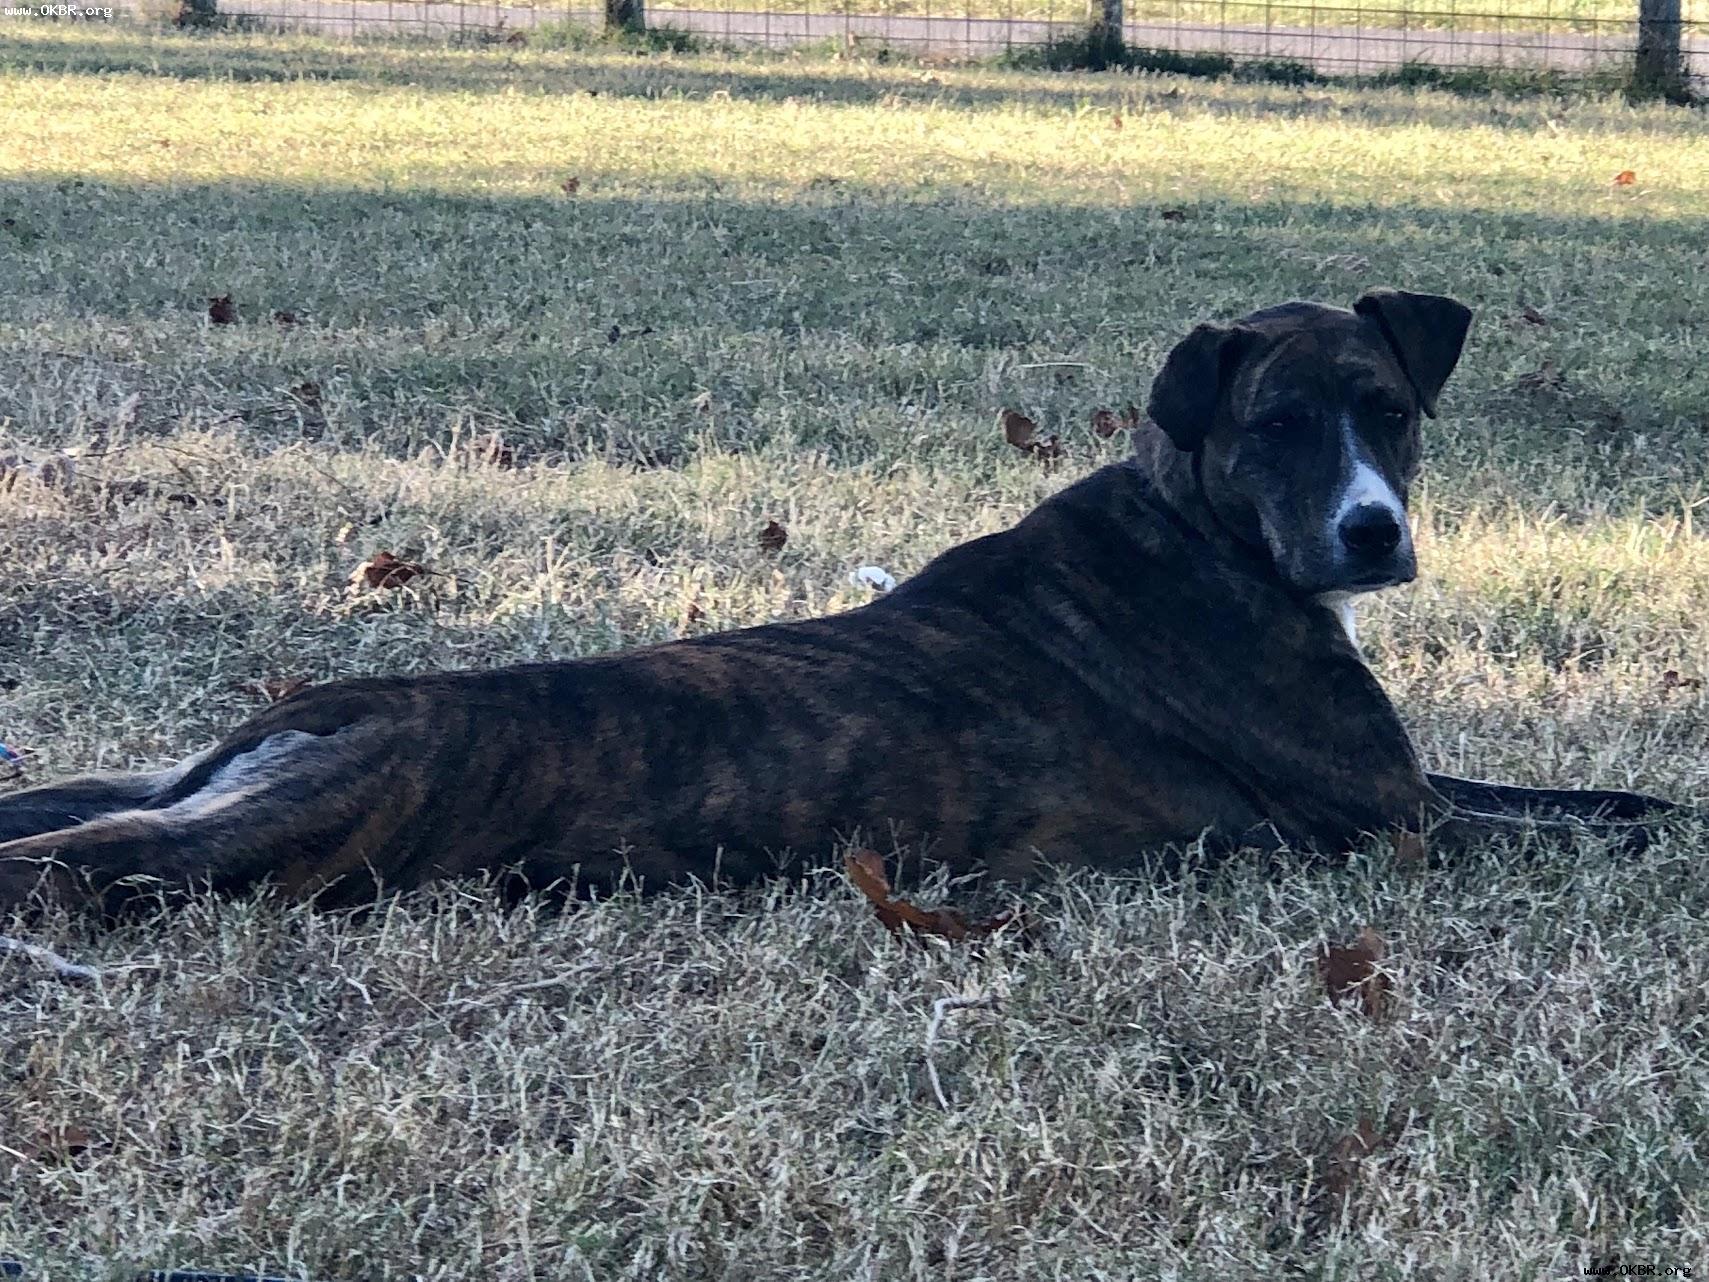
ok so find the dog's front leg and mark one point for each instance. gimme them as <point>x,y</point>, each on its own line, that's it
<point>1590,804</point>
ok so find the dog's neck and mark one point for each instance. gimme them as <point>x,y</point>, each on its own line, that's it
<point>1176,478</point>
<point>1174,473</point>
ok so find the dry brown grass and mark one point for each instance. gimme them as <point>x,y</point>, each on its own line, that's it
<point>846,271</point>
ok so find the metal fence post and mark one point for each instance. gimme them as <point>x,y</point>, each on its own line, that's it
<point>1104,39</point>
<point>1660,68</point>
<point>631,15</point>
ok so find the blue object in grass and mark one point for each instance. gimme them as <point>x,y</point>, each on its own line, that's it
<point>13,1269</point>
<point>10,758</point>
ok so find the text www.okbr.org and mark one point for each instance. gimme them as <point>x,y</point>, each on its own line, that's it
<point>1637,1271</point>
<point>55,11</point>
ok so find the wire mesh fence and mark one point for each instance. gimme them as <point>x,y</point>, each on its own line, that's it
<point>1411,39</point>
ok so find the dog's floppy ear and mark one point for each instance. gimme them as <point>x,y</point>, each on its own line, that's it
<point>1186,391</point>
<point>1426,332</point>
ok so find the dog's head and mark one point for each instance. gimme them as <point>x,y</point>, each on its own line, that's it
<point>1304,423</point>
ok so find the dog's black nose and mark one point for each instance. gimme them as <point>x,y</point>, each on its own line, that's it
<point>1370,530</point>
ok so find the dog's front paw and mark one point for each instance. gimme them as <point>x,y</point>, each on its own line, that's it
<point>1634,805</point>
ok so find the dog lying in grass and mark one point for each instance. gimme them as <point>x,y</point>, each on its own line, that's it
<point>1158,654</point>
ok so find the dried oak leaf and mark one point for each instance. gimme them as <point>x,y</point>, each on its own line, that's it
<point>1106,422</point>
<point>1410,850</point>
<point>1174,215</point>
<point>865,869</point>
<point>1021,432</point>
<point>1671,680</point>
<point>285,316</point>
<point>384,570</point>
<point>1350,971</point>
<point>59,1143</point>
<point>1531,316</point>
<point>570,186</point>
<point>773,537</point>
<point>1625,178</point>
<point>222,311</point>
<point>308,392</point>
<point>1341,1172</point>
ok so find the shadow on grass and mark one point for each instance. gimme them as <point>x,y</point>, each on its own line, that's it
<point>611,323</point>
<point>1158,80</point>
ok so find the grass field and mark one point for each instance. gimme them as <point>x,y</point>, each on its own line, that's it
<point>801,291</point>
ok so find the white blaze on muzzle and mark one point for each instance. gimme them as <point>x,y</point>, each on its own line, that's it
<point>1362,484</point>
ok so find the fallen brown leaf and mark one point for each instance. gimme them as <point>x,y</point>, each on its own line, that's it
<point>60,1142</point>
<point>1021,432</point>
<point>285,316</point>
<point>222,311</point>
<point>1350,971</point>
<point>384,570</point>
<point>1341,1172</point>
<point>1106,422</point>
<point>865,869</point>
<point>1531,316</point>
<point>1671,680</point>
<point>1174,215</point>
<point>570,186</point>
<point>773,537</point>
<point>1625,178</point>
<point>1410,850</point>
<point>308,392</point>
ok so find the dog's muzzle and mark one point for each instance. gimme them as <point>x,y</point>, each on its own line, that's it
<point>1374,549</point>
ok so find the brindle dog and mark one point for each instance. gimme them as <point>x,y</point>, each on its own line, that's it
<point>1154,655</point>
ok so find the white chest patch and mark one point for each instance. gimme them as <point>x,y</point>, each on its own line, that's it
<point>1340,604</point>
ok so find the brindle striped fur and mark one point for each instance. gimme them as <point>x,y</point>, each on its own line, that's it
<point>1119,671</point>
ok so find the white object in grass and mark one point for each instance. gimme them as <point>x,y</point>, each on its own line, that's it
<point>871,576</point>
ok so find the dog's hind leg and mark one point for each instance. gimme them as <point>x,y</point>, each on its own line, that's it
<point>1590,804</point>
<point>283,809</point>
<point>75,801</point>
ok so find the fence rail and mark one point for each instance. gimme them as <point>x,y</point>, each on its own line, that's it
<point>1664,48</point>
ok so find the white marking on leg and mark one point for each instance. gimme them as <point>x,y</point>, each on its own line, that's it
<point>260,762</point>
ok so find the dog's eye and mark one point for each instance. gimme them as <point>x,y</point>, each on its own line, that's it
<point>1394,418</point>
<point>1283,425</point>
